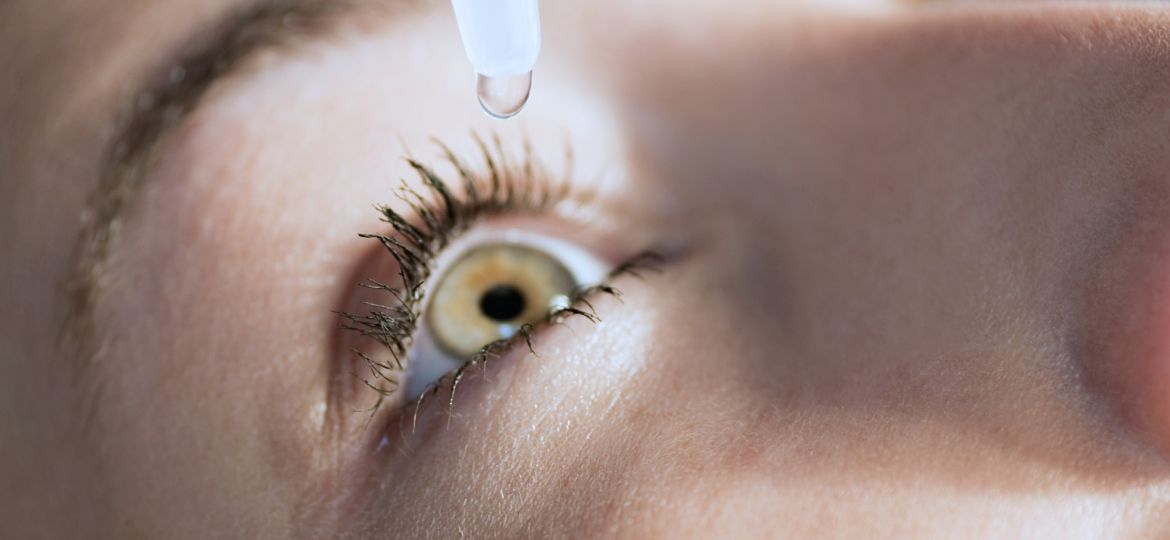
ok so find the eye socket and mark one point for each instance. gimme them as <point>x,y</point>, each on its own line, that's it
<point>488,292</point>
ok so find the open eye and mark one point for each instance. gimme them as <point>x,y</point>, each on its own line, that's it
<point>488,292</point>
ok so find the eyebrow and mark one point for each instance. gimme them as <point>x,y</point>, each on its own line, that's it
<point>175,90</point>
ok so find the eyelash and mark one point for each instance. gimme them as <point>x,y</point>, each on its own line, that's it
<point>443,217</point>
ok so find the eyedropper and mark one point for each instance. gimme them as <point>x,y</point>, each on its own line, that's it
<point>502,40</point>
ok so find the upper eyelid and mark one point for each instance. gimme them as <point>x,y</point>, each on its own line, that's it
<point>430,221</point>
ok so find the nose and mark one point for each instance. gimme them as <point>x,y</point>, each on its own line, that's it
<point>851,309</point>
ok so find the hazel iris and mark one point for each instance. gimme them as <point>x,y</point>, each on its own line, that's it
<point>492,291</point>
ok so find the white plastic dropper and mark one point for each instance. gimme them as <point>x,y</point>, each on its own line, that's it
<point>502,40</point>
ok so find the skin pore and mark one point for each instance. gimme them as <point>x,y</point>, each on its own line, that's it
<point>916,288</point>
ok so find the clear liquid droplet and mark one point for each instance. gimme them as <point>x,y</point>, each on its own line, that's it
<point>503,97</point>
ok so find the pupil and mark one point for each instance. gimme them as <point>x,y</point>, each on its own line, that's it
<point>502,303</point>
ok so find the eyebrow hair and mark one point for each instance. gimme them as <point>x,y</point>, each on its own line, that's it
<point>166,100</point>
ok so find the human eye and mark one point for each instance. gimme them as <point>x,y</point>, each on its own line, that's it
<point>475,269</point>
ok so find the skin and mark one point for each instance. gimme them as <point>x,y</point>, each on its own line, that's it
<point>917,280</point>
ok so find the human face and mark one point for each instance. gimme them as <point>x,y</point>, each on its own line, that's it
<point>911,278</point>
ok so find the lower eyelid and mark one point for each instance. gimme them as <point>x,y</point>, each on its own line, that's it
<point>416,419</point>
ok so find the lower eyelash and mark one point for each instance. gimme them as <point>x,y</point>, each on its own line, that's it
<point>441,217</point>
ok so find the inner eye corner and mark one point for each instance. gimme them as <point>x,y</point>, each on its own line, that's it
<point>354,341</point>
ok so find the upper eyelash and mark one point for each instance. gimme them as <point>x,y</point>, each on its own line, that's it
<point>442,217</point>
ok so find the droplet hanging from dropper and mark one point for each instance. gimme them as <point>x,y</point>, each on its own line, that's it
<point>503,97</point>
